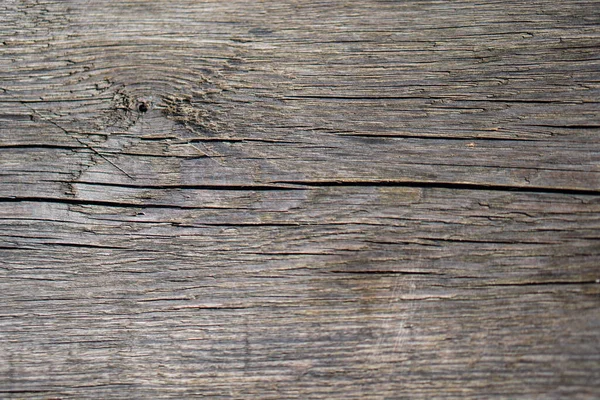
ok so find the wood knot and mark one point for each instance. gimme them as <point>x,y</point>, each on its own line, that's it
<point>142,107</point>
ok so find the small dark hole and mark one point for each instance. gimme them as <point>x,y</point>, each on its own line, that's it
<point>143,107</point>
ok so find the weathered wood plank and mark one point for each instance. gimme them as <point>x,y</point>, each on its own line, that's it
<point>490,236</point>
<point>500,104</point>
<point>299,199</point>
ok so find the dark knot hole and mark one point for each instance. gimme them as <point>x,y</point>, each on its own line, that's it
<point>142,107</point>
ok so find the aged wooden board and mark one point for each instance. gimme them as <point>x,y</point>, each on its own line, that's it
<point>299,199</point>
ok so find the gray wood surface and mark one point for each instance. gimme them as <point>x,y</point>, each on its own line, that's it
<point>299,199</point>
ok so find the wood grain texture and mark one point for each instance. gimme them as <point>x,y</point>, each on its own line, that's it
<point>299,199</point>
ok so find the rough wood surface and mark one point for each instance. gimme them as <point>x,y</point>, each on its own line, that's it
<point>299,199</point>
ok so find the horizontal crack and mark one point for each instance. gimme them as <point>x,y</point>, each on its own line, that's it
<point>431,137</point>
<point>41,146</point>
<point>82,202</point>
<point>268,187</point>
<point>384,272</point>
<point>445,185</point>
